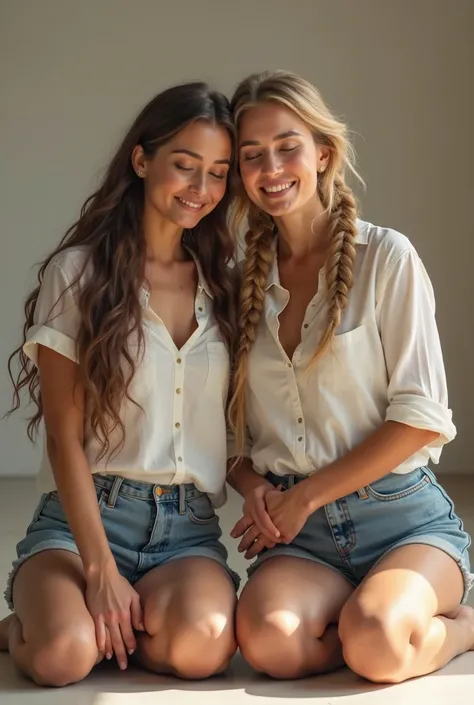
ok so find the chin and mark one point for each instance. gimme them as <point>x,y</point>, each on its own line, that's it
<point>278,209</point>
<point>187,221</point>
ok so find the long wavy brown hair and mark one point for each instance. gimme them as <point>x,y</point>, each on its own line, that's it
<point>109,229</point>
<point>295,93</point>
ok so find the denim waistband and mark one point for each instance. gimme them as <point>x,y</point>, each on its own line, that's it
<point>115,485</point>
<point>285,481</point>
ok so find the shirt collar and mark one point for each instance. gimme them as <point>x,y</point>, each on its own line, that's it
<point>273,279</point>
<point>202,283</point>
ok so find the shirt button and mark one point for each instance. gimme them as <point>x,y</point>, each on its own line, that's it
<point>178,391</point>
<point>288,364</point>
<point>177,424</point>
<point>179,360</point>
<point>305,325</point>
<point>180,460</point>
<point>300,420</point>
<point>300,438</point>
<point>199,308</point>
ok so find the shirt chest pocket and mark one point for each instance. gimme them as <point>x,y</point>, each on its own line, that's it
<point>353,359</point>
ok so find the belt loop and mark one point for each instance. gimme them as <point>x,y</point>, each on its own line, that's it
<point>114,491</point>
<point>182,499</point>
<point>363,494</point>
<point>291,481</point>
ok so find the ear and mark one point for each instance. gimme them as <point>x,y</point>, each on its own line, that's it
<point>138,161</point>
<point>324,154</point>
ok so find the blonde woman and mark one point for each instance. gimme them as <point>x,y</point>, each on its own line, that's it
<point>339,403</point>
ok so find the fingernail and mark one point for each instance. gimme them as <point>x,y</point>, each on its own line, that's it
<point>108,656</point>
<point>131,651</point>
<point>123,665</point>
<point>141,626</point>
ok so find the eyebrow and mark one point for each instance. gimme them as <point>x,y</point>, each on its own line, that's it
<point>195,155</point>
<point>281,136</point>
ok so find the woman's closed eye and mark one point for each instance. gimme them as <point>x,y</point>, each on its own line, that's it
<point>184,168</point>
<point>250,156</point>
<point>190,169</point>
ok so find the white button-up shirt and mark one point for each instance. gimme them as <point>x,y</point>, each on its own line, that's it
<point>179,435</point>
<point>385,364</point>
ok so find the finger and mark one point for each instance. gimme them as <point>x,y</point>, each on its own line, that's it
<point>258,546</point>
<point>241,527</point>
<point>118,645</point>
<point>109,650</point>
<point>288,538</point>
<point>128,636</point>
<point>137,614</point>
<point>248,539</point>
<point>100,634</point>
<point>263,520</point>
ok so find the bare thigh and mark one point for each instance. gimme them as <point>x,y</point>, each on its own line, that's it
<point>286,617</point>
<point>54,640</point>
<point>189,609</point>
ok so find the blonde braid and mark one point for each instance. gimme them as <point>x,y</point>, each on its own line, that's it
<point>258,260</point>
<point>340,262</point>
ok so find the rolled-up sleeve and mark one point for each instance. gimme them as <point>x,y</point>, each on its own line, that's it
<point>417,390</point>
<point>56,318</point>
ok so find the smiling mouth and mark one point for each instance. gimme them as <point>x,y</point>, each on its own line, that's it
<point>277,189</point>
<point>190,204</point>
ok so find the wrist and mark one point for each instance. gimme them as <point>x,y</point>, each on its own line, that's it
<point>309,496</point>
<point>256,483</point>
<point>245,479</point>
<point>99,567</point>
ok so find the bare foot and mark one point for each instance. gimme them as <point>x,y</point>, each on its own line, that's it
<point>464,615</point>
<point>5,631</point>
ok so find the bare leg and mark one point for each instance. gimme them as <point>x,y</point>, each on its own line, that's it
<point>287,615</point>
<point>189,608</point>
<point>5,625</point>
<point>51,636</point>
<point>405,619</point>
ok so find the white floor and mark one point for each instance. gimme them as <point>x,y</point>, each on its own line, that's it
<point>107,686</point>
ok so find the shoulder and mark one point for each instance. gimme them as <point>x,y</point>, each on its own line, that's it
<point>385,250</point>
<point>388,244</point>
<point>67,270</point>
<point>65,274</point>
<point>71,262</point>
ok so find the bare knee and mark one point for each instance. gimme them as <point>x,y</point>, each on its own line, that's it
<point>64,659</point>
<point>377,643</point>
<point>194,651</point>
<point>274,643</point>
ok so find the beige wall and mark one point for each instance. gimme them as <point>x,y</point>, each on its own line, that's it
<point>74,73</point>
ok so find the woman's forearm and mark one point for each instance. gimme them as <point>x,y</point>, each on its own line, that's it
<point>79,500</point>
<point>379,454</point>
<point>242,477</point>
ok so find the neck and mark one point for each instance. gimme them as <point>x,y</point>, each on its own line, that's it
<point>303,232</point>
<point>163,238</point>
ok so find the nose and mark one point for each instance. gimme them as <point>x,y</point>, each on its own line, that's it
<point>271,164</point>
<point>198,184</point>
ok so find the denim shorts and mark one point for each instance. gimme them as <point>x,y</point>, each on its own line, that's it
<point>146,525</point>
<point>356,532</point>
